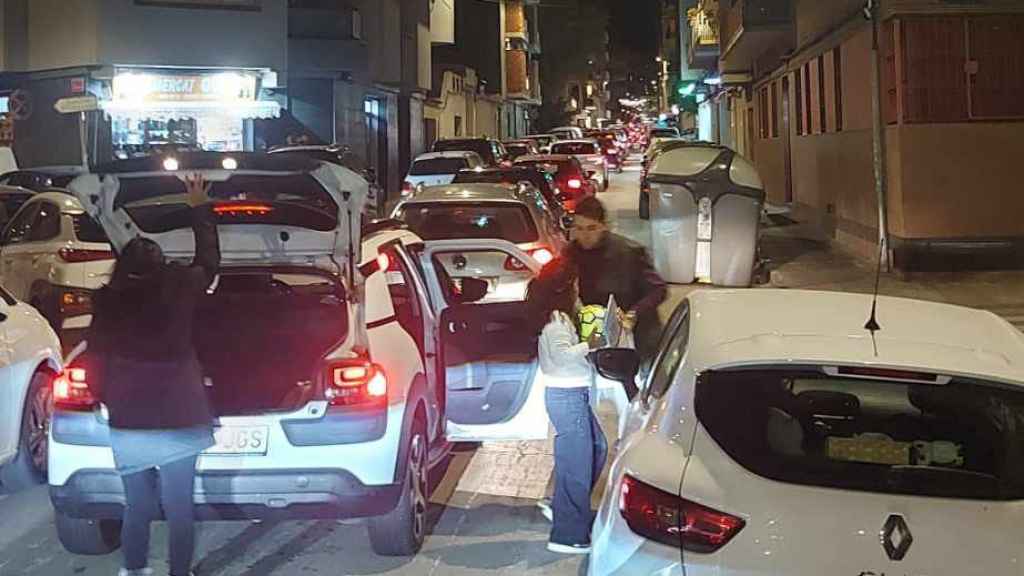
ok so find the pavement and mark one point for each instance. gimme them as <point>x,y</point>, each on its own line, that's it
<point>484,518</point>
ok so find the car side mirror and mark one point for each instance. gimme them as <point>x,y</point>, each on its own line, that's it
<point>619,364</point>
<point>472,290</point>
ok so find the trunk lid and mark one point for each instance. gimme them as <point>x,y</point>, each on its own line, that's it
<point>865,476</point>
<point>270,210</point>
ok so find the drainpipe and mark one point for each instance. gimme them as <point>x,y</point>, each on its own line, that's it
<point>878,149</point>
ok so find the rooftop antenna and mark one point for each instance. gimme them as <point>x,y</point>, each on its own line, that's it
<point>872,324</point>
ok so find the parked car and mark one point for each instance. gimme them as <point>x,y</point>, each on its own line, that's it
<point>572,182</point>
<point>342,155</point>
<point>39,179</point>
<point>437,168</point>
<point>344,404</point>
<point>614,154</point>
<point>478,211</point>
<point>30,359</point>
<point>543,141</point>
<point>54,256</point>
<point>776,434</point>
<point>11,200</point>
<point>492,151</point>
<point>517,148</point>
<point>541,180</point>
<point>567,133</point>
<point>590,154</point>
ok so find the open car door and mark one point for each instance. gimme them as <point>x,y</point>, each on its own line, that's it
<point>488,352</point>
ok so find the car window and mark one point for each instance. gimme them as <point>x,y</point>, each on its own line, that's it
<point>454,220</point>
<point>404,299</point>
<point>87,229</point>
<point>18,229</point>
<point>47,224</point>
<point>574,148</point>
<point>438,166</point>
<point>830,428</point>
<point>671,351</point>
<point>506,276</point>
<point>10,204</point>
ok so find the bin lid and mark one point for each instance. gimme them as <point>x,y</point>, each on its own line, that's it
<point>686,163</point>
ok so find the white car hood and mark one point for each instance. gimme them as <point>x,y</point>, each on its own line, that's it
<point>242,243</point>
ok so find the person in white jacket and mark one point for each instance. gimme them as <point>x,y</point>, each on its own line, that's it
<point>580,445</point>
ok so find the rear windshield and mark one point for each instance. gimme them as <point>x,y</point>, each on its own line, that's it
<point>964,439</point>
<point>541,180</point>
<point>481,147</point>
<point>574,148</point>
<point>157,203</point>
<point>453,220</point>
<point>87,229</point>
<point>565,167</point>
<point>438,166</point>
<point>664,133</point>
<point>517,150</point>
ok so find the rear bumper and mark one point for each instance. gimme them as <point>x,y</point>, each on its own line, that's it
<point>239,495</point>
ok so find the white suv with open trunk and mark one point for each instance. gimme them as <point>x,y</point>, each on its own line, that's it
<point>339,367</point>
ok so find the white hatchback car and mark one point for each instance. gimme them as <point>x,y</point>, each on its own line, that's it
<point>437,169</point>
<point>30,359</point>
<point>775,434</point>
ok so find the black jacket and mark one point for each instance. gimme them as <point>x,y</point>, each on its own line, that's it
<point>142,362</point>
<point>621,267</point>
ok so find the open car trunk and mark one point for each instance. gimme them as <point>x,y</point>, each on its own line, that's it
<point>262,334</point>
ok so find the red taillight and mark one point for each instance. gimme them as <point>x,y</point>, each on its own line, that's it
<point>541,255</point>
<point>357,382</point>
<point>575,183</point>
<point>71,391</point>
<point>406,188</point>
<point>74,255</point>
<point>246,209</point>
<point>671,520</point>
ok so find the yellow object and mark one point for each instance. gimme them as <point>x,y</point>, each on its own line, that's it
<point>870,451</point>
<point>591,320</point>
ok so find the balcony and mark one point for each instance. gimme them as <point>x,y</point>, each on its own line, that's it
<point>704,47</point>
<point>753,28</point>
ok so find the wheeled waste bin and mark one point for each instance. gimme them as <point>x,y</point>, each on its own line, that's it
<point>706,202</point>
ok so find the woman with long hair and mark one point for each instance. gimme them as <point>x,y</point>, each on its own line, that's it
<point>580,445</point>
<point>148,375</point>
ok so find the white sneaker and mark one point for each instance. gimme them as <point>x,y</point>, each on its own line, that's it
<point>139,572</point>
<point>569,548</point>
<point>545,509</point>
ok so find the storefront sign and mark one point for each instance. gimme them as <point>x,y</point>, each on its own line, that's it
<point>77,104</point>
<point>220,87</point>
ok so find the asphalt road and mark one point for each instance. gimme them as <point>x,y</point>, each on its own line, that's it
<point>484,517</point>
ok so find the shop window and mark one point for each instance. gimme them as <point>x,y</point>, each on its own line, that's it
<point>837,76</point>
<point>798,99</point>
<point>996,66</point>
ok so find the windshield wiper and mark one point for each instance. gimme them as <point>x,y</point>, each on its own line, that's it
<point>945,481</point>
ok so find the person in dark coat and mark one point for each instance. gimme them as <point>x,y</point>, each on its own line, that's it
<point>611,264</point>
<point>148,375</point>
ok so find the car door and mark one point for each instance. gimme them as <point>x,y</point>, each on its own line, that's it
<point>15,251</point>
<point>487,349</point>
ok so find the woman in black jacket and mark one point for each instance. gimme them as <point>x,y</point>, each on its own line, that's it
<point>149,377</point>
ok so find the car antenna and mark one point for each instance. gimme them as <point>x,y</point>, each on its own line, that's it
<point>872,324</point>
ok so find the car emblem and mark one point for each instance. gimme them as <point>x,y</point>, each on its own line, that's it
<point>896,537</point>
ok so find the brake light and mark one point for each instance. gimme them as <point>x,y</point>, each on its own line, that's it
<point>575,183</point>
<point>357,382</point>
<point>671,520</point>
<point>74,255</point>
<point>243,209</point>
<point>886,373</point>
<point>542,255</point>
<point>406,188</point>
<point>71,391</point>
<point>75,302</point>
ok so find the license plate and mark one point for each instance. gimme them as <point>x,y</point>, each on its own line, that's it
<point>240,440</point>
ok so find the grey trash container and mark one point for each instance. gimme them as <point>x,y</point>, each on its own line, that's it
<point>706,204</point>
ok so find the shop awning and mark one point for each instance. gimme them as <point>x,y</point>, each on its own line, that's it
<point>165,111</point>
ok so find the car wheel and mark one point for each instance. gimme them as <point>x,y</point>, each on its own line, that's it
<point>88,537</point>
<point>645,206</point>
<point>401,532</point>
<point>28,467</point>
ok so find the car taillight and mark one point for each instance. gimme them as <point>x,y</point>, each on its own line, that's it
<point>75,255</point>
<point>75,302</point>
<point>71,391</point>
<point>674,521</point>
<point>243,209</point>
<point>357,382</point>
<point>406,188</point>
<point>541,255</point>
<point>575,183</point>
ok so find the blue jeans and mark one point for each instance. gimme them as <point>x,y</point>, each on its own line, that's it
<point>580,453</point>
<point>146,493</point>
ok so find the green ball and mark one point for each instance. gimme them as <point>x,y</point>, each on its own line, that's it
<point>591,320</point>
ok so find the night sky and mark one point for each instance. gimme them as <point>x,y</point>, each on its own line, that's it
<point>634,25</point>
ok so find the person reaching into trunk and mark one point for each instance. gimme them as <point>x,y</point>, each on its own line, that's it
<point>148,375</point>
<point>580,445</point>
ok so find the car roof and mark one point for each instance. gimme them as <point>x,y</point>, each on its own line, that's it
<point>544,158</point>
<point>463,140</point>
<point>447,154</point>
<point>577,141</point>
<point>467,192</point>
<point>65,201</point>
<point>757,327</point>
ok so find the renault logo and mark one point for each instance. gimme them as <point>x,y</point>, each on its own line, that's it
<point>896,537</point>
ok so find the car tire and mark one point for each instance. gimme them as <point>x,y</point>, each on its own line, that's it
<point>645,206</point>
<point>28,468</point>
<point>88,537</point>
<point>401,532</point>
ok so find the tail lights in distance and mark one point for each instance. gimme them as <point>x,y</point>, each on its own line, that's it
<point>666,518</point>
<point>356,382</point>
<point>71,390</point>
<point>407,189</point>
<point>575,183</point>
<point>75,255</point>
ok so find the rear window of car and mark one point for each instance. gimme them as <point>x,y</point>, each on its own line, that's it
<point>157,203</point>
<point>574,148</point>
<point>87,229</point>
<point>961,439</point>
<point>517,150</point>
<point>664,133</point>
<point>455,220</point>
<point>566,168</point>
<point>481,147</point>
<point>438,166</point>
